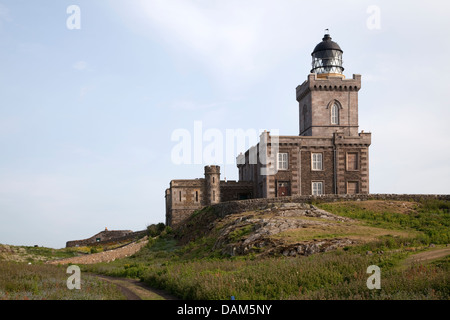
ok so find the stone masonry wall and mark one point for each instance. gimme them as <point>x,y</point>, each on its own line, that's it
<point>112,237</point>
<point>226,208</point>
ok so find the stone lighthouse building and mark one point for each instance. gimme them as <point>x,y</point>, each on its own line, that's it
<point>328,156</point>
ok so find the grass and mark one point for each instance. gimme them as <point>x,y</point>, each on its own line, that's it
<point>238,233</point>
<point>19,281</point>
<point>42,254</point>
<point>430,217</point>
<point>334,275</point>
<point>194,271</point>
<point>355,231</point>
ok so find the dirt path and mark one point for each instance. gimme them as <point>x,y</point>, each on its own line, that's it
<point>426,256</point>
<point>136,290</point>
<point>131,289</point>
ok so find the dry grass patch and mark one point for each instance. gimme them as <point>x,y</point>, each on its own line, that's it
<point>380,206</point>
<point>331,230</point>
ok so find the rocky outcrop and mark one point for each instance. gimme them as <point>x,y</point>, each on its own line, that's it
<point>255,230</point>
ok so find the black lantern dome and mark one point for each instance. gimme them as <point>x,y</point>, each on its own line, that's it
<point>327,58</point>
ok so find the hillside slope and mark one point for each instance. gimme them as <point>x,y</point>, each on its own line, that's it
<point>288,229</point>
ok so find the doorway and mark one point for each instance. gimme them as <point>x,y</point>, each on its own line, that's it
<point>283,189</point>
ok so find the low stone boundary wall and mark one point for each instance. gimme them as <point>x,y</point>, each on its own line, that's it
<point>89,242</point>
<point>226,208</point>
<point>105,256</point>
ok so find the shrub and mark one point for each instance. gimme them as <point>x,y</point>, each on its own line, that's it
<point>93,250</point>
<point>155,230</point>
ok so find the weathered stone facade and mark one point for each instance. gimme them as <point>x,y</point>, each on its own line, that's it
<point>316,97</point>
<point>185,196</point>
<point>330,155</point>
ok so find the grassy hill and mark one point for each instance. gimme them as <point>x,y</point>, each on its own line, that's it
<point>290,251</point>
<point>299,252</point>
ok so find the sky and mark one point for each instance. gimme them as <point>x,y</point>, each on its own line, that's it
<point>93,92</point>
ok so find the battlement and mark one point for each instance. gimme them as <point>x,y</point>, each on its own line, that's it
<point>328,83</point>
<point>212,169</point>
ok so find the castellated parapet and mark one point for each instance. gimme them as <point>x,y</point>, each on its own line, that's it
<point>188,195</point>
<point>212,185</point>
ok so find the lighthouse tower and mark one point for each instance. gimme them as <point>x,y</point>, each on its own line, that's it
<point>328,102</point>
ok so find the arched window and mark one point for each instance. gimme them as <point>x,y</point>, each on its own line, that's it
<point>335,114</point>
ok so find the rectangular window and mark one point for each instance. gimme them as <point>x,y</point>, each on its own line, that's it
<point>196,196</point>
<point>352,187</point>
<point>180,196</point>
<point>317,188</point>
<point>283,161</point>
<point>317,161</point>
<point>352,161</point>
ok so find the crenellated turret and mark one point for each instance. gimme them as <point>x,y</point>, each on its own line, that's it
<point>212,185</point>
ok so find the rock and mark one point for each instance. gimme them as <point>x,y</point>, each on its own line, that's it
<point>288,217</point>
<point>289,205</point>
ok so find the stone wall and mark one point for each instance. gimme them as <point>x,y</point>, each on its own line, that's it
<point>107,237</point>
<point>226,208</point>
<point>183,198</point>
<point>232,190</point>
<point>186,196</point>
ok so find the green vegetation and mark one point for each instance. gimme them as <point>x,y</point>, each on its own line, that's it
<point>430,217</point>
<point>40,255</point>
<point>186,262</point>
<point>334,275</point>
<point>194,270</point>
<point>237,234</point>
<point>19,281</point>
<point>155,230</point>
<point>37,254</point>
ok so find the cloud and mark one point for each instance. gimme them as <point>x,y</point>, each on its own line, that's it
<point>235,41</point>
<point>4,13</point>
<point>85,90</point>
<point>10,125</point>
<point>227,43</point>
<point>80,65</point>
<point>194,106</point>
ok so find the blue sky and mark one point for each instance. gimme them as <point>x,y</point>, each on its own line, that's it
<point>86,115</point>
